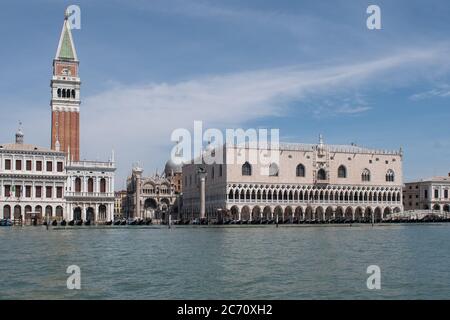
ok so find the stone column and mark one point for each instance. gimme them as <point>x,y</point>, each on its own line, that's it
<point>138,174</point>
<point>202,176</point>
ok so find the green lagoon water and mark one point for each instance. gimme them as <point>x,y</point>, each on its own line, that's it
<point>234,262</point>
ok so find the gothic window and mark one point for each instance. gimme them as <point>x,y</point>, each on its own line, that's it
<point>365,175</point>
<point>300,171</point>
<point>321,175</point>
<point>246,169</point>
<point>342,172</point>
<point>273,170</point>
<point>390,176</point>
<point>64,93</point>
<point>59,93</point>
<point>73,94</point>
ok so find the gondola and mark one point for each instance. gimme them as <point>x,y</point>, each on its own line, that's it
<point>133,223</point>
<point>148,222</point>
<point>63,223</point>
<point>108,223</point>
<point>54,223</point>
<point>71,223</point>
<point>141,222</point>
<point>5,223</point>
<point>117,223</point>
<point>79,223</point>
<point>44,223</point>
<point>87,223</point>
<point>123,223</point>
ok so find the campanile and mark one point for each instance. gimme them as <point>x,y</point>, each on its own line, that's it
<point>65,103</point>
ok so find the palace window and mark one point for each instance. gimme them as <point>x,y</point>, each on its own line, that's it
<point>365,175</point>
<point>103,185</point>
<point>7,164</point>
<point>246,169</point>
<point>7,191</point>
<point>18,164</point>
<point>49,166</point>
<point>342,172</point>
<point>90,185</point>
<point>38,192</point>
<point>28,192</point>
<point>436,193</point>
<point>446,194</point>
<point>59,166</point>
<point>321,174</point>
<point>390,176</point>
<point>300,170</point>
<point>29,165</point>
<point>77,185</point>
<point>18,191</point>
<point>39,165</point>
<point>48,192</point>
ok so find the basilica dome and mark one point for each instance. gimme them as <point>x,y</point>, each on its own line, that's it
<point>172,167</point>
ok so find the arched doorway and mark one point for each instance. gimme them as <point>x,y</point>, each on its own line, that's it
<point>234,213</point>
<point>77,214</point>
<point>387,211</point>
<point>245,213</point>
<point>28,210</point>
<point>378,214</point>
<point>59,213</point>
<point>278,213</point>
<point>358,214</point>
<point>267,213</point>
<point>150,207</point>
<point>48,212</point>
<point>349,214</point>
<point>17,213</point>
<point>339,214</point>
<point>102,212</point>
<point>256,213</point>
<point>319,214</point>
<point>298,214</point>
<point>7,212</point>
<point>368,214</point>
<point>329,214</point>
<point>288,214</point>
<point>308,214</point>
<point>90,215</point>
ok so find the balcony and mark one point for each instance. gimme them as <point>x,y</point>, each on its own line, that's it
<point>89,195</point>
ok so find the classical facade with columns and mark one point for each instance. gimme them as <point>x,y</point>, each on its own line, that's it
<point>39,184</point>
<point>428,194</point>
<point>307,182</point>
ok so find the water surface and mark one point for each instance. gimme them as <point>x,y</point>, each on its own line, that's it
<point>234,262</point>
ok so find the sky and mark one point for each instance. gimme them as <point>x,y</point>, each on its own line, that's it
<point>305,67</point>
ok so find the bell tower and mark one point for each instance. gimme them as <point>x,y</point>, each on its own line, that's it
<point>65,103</point>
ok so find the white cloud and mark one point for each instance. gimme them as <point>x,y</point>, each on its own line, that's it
<point>443,91</point>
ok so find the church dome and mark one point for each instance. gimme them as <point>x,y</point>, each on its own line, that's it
<point>172,167</point>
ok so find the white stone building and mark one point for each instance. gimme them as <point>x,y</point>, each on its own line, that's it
<point>32,182</point>
<point>428,194</point>
<point>309,182</point>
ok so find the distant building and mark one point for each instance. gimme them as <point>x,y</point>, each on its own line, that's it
<point>427,194</point>
<point>32,182</point>
<point>120,198</point>
<point>310,182</point>
<point>151,197</point>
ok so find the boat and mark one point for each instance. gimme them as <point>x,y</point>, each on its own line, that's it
<point>71,223</point>
<point>117,223</point>
<point>5,223</point>
<point>63,223</point>
<point>79,223</point>
<point>87,223</point>
<point>148,222</point>
<point>108,223</point>
<point>54,223</point>
<point>123,222</point>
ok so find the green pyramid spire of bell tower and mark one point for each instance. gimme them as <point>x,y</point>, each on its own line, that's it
<point>66,48</point>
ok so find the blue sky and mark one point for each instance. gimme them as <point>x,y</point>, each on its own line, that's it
<point>306,67</point>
